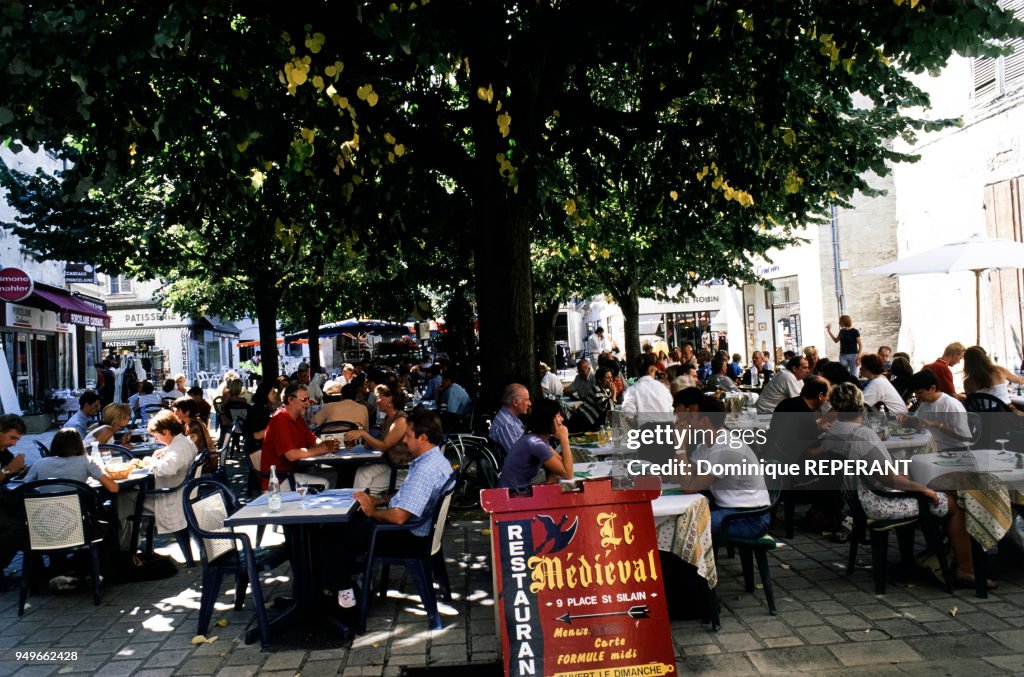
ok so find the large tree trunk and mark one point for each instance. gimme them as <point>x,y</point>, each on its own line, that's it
<point>501,216</point>
<point>544,326</point>
<point>268,300</point>
<point>629,302</point>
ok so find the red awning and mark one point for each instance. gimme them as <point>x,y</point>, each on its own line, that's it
<point>253,344</point>
<point>74,310</point>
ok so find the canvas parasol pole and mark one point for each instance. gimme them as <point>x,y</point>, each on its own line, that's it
<point>977,307</point>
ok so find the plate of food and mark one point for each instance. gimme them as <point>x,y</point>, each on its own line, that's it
<point>950,453</point>
<point>905,431</point>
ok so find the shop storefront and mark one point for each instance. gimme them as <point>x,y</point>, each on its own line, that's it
<point>165,344</point>
<point>698,319</point>
<point>50,342</point>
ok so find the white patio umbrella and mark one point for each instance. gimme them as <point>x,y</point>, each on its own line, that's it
<point>977,254</point>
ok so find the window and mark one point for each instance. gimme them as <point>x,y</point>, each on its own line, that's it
<point>999,75</point>
<point>120,285</point>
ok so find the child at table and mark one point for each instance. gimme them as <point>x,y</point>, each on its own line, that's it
<point>67,461</point>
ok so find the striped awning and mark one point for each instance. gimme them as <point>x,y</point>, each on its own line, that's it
<point>128,337</point>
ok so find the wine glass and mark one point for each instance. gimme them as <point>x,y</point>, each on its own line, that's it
<point>302,490</point>
<point>1002,445</point>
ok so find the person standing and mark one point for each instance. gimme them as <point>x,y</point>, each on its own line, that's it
<point>940,368</point>
<point>596,345</point>
<point>850,344</point>
<point>105,382</point>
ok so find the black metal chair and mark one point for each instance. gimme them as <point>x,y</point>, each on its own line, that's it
<point>421,563</point>
<point>44,450</point>
<point>207,503</point>
<point>140,518</point>
<point>60,516</point>
<point>752,548</point>
<point>478,462</point>
<point>879,534</point>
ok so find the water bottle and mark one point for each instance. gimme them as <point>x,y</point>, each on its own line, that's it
<point>274,491</point>
<point>755,377</point>
<point>94,454</point>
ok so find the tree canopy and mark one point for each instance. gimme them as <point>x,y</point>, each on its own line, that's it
<point>239,142</point>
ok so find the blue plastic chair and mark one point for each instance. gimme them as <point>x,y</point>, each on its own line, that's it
<point>210,503</point>
<point>421,563</point>
<point>140,518</point>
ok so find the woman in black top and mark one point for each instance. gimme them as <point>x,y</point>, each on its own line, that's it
<point>850,344</point>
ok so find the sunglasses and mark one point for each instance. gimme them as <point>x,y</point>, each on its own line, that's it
<point>302,399</point>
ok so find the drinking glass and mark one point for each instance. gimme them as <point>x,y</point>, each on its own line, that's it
<point>1002,445</point>
<point>107,458</point>
<point>302,490</point>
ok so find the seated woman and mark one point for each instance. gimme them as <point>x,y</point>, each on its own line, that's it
<point>375,477</point>
<point>187,411</point>
<point>67,461</point>
<point>533,451</point>
<point>168,465</point>
<point>883,497</point>
<point>592,414</point>
<point>116,416</point>
<point>982,375</point>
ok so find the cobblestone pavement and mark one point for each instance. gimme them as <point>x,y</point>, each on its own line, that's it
<point>827,621</point>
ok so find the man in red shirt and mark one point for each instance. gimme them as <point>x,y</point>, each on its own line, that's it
<point>951,357</point>
<point>289,439</point>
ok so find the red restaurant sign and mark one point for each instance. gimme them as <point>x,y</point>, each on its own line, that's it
<point>15,285</point>
<point>578,582</point>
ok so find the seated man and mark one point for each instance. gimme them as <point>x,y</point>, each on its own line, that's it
<point>732,492</point>
<point>345,410</point>
<point>938,412</point>
<point>787,383</point>
<point>288,439</point>
<point>584,381</point>
<point>550,384</point>
<point>88,406</point>
<point>507,428</point>
<point>416,498</point>
<point>453,397</point>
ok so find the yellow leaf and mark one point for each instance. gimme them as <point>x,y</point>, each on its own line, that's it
<point>222,623</point>
<point>504,123</point>
<point>307,134</point>
<point>391,157</point>
<point>400,150</point>
<point>913,3</point>
<point>364,92</point>
<point>392,7</point>
<point>789,138</point>
<point>372,99</point>
<point>332,92</point>
<point>203,639</point>
<point>570,206</point>
<point>318,82</point>
<point>605,254</point>
<point>674,195</point>
<point>556,113</point>
<point>793,182</point>
<point>242,146</point>
<point>748,24</point>
<point>389,137</point>
<point>497,107</point>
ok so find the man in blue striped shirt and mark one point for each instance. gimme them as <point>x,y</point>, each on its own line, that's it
<point>506,428</point>
<point>416,498</point>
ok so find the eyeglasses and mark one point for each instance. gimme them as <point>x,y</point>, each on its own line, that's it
<point>302,399</point>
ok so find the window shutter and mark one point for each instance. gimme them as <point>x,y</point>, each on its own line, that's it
<point>985,85</point>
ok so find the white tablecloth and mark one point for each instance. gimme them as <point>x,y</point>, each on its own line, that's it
<point>925,468</point>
